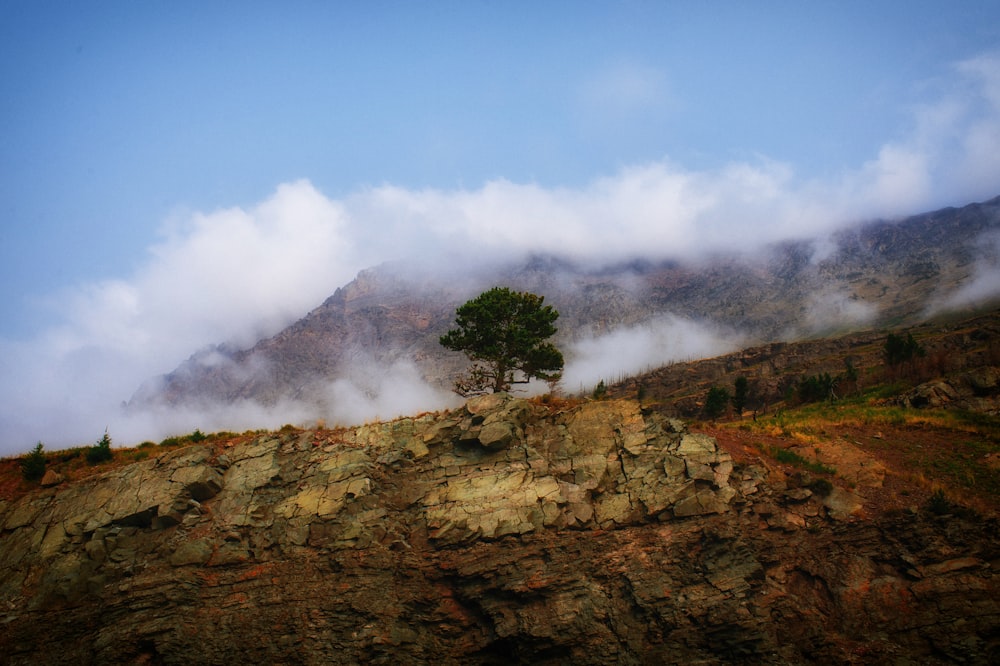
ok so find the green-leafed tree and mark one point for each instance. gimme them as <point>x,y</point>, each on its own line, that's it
<point>505,334</point>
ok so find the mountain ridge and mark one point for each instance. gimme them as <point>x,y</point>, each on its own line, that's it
<point>877,274</point>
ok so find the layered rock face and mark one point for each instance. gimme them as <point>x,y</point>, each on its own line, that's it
<point>506,531</point>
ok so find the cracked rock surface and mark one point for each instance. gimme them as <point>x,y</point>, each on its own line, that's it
<point>501,532</point>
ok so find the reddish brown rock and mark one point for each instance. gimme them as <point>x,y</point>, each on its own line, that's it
<point>595,535</point>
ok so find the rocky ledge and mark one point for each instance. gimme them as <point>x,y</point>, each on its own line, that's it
<point>507,531</point>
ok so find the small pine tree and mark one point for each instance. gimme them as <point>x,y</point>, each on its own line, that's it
<point>849,380</point>
<point>33,464</point>
<point>716,402</point>
<point>101,451</point>
<point>740,392</point>
<point>600,391</point>
<point>850,372</point>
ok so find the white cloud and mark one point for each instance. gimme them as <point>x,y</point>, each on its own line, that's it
<point>984,283</point>
<point>619,90</point>
<point>237,273</point>
<point>229,275</point>
<point>369,392</point>
<point>829,310</point>
<point>364,394</point>
<point>636,349</point>
<point>240,273</point>
<point>949,156</point>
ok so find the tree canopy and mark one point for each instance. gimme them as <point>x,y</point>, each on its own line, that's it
<point>504,333</point>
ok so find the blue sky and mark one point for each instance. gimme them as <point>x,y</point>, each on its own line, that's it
<point>176,174</point>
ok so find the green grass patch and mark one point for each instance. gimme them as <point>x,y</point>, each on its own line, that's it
<point>790,457</point>
<point>885,391</point>
<point>984,424</point>
<point>191,438</point>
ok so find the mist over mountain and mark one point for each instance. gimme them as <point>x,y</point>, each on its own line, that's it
<point>371,349</point>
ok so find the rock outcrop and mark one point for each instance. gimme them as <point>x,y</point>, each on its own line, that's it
<point>976,390</point>
<point>506,531</point>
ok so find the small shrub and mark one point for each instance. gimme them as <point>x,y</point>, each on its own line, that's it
<point>821,487</point>
<point>600,391</point>
<point>786,456</point>
<point>197,436</point>
<point>938,503</point>
<point>70,454</point>
<point>899,350</point>
<point>816,388</point>
<point>33,464</point>
<point>790,457</point>
<point>101,451</point>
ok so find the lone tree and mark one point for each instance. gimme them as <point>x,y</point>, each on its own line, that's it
<point>504,333</point>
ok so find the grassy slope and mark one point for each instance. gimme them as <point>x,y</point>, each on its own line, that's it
<point>954,452</point>
<point>921,451</point>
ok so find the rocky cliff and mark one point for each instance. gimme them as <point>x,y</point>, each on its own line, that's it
<point>506,531</point>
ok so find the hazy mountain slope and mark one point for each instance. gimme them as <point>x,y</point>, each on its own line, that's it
<point>885,272</point>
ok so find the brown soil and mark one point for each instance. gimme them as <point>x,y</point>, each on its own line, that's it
<point>918,461</point>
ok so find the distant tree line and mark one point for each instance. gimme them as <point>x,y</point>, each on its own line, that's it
<point>901,354</point>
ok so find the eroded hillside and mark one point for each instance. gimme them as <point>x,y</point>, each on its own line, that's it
<point>503,532</point>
